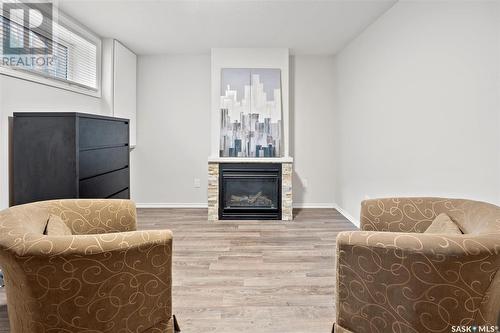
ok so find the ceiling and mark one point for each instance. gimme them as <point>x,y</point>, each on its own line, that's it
<point>180,27</point>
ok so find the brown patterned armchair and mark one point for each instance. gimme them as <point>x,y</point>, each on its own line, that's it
<point>392,277</point>
<point>105,277</point>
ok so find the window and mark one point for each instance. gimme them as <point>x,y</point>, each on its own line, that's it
<point>49,48</point>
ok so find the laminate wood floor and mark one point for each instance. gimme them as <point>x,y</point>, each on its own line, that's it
<point>248,276</point>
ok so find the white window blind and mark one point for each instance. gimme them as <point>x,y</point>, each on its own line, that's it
<point>75,54</point>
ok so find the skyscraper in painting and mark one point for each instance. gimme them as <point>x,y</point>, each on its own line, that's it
<point>250,106</point>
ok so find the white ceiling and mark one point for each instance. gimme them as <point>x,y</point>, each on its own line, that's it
<point>155,27</point>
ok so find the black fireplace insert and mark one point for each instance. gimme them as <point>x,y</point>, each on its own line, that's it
<point>249,191</point>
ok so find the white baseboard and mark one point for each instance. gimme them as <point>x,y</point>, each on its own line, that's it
<point>347,215</point>
<point>314,205</point>
<point>296,205</point>
<point>204,205</point>
<point>171,205</point>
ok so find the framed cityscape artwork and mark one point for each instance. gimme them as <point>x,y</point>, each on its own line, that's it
<point>250,107</point>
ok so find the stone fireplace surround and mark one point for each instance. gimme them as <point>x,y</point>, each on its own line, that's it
<point>286,183</point>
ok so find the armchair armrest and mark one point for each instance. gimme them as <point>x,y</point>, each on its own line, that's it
<point>101,283</point>
<point>406,282</point>
<point>401,214</point>
<point>94,216</point>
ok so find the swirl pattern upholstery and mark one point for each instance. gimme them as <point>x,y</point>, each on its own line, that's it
<point>106,277</point>
<point>391,277</point>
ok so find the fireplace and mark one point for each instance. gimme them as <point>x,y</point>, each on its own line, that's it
<point>249,191</point>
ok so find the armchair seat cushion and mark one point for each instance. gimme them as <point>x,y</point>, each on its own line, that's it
<point>443,224</point>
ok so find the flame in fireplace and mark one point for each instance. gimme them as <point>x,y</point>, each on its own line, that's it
<point>258,199</point>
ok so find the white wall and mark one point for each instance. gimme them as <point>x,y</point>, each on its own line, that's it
<point>312,135</point>
<point>173,127</point>
<point>173,130</point>
<point>173,104</point>
<point>418,105</point>
<point>18,95</point>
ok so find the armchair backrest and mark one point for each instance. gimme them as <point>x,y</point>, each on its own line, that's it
<point>473,217</point>
<point>414,214</point>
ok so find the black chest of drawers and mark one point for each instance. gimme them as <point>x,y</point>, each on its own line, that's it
<point>69,155</point>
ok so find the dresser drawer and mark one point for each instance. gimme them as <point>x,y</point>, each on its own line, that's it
<point>102,133</point>
<point>105,185</point>
<point>98,161</point>
<point>121,195</point>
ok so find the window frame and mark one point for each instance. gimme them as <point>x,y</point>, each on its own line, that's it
<point>47,80</point>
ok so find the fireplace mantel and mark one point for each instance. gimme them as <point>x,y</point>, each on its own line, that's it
<point>250,160</point>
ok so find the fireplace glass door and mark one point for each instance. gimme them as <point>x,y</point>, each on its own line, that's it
<point>250,191</point>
